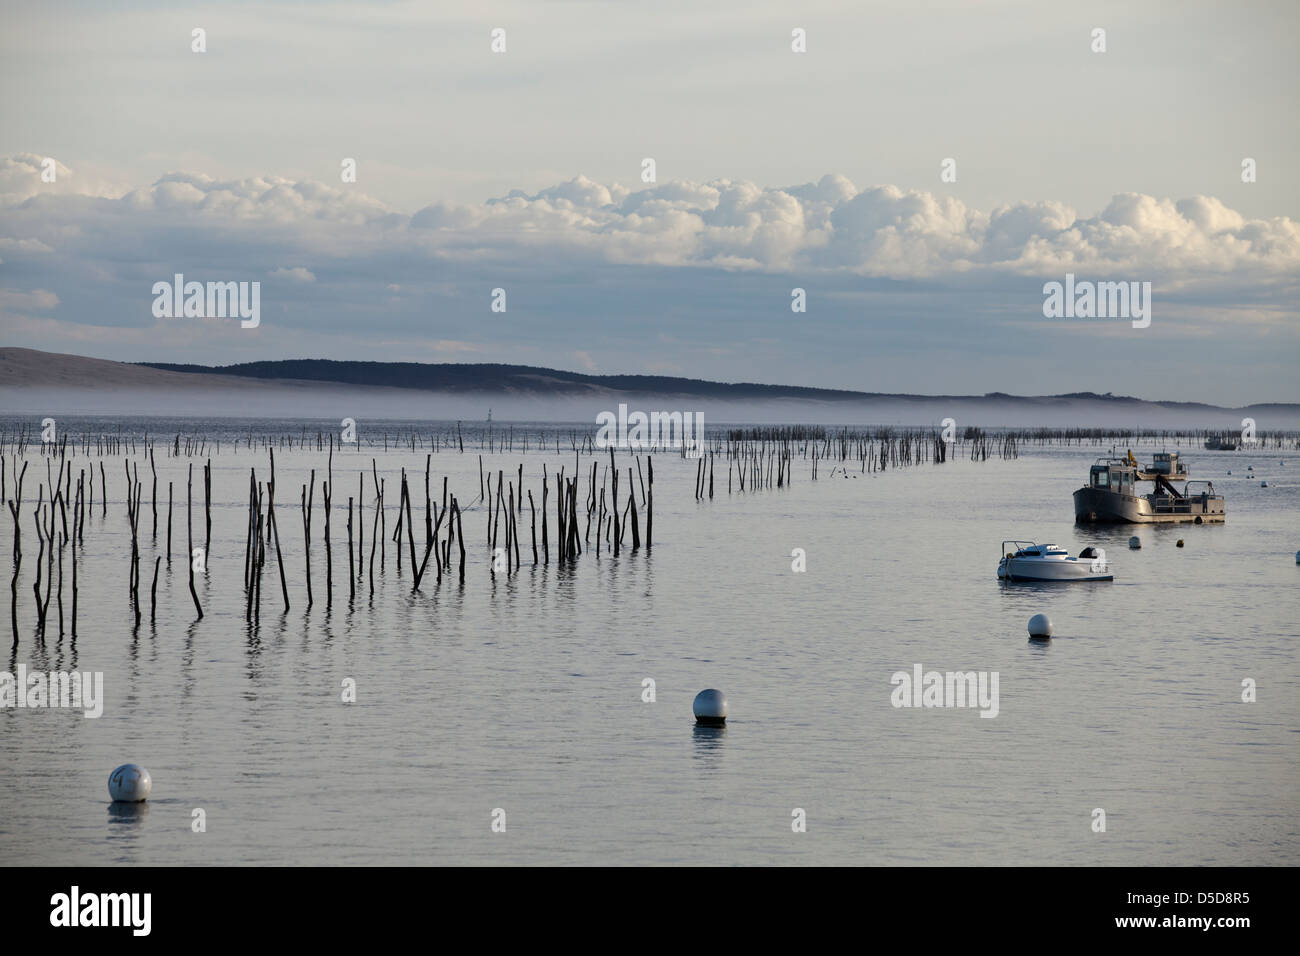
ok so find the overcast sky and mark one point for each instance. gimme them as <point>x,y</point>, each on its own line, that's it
<point>522,170</point>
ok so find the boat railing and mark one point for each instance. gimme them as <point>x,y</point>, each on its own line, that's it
<point>1191,502</point>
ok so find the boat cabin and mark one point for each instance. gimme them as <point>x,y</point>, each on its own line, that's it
<point>1115,475</point>
<point>1167,463</point>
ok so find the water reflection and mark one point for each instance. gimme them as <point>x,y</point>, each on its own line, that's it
<point>126,815</point>
<point>708,744</point>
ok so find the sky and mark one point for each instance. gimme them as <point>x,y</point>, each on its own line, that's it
<point>775,170</point>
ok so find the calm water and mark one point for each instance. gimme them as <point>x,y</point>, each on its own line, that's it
<point>524,693</point>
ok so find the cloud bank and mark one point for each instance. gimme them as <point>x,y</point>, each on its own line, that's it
<point>599,274</point>
<point>828,226</point>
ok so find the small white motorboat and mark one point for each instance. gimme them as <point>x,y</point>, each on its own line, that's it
<point>1027,561</point>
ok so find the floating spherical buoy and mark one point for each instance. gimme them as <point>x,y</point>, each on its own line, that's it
<point>1180,542</point>
<point>130,783</point>
<point>1135,543</point>
<point>1040,625</point>
<point>710,708</point>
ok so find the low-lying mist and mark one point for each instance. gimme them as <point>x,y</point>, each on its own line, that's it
<point>288,401</point>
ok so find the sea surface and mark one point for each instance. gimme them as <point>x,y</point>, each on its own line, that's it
<point>523,693</point>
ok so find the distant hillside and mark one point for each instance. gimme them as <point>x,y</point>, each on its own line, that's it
<point>45,383</point>
<point>525,379</point>
<point>504,378</point>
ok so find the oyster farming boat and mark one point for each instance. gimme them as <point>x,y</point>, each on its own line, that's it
<point>1027,561</point>
<point>1221,443</point>
<point>1111,494</point>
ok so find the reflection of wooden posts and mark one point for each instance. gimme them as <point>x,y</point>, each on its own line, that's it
<point>428,506</point>
<point>169,522</point>
<point>438,550</point>
<point>15,504</point>
<point>154,497</point>
<point>189,534</point>
<point>510,510</point>
<point>561,540</point>
<point>76,531</point>
<point>533,511</point>
<point>460,538</point>
<point>589,504</point>
<point>275,532</point>
<point>352,571</point>
<point>650,498</point>
<point>259,555</point>
<point>40,555</point>
<point>496,523</point>
<point>253,540</point>
<point>63,539</point>
<point>133,517</point>
<point>410,526</point>
<point>249,528</point>
<point>444,556</point>
<point>207,504</point>
<point>613,501</point>
<point>574,547</point>
<point>374,536</point>
<point>397,528</point>
<point>636,529</point>
<point>49,557</point>
<point>546,547</point>
<point>308,498</point>
<point>329,555</point>
<point>153,595</point>
<point>417,570</point>
<point>514,523</point>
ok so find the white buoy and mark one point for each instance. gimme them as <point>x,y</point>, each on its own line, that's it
<point>1040,625</point>
<point>710,708</point>
<point>1135,543</point>
<point>130,783</point>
